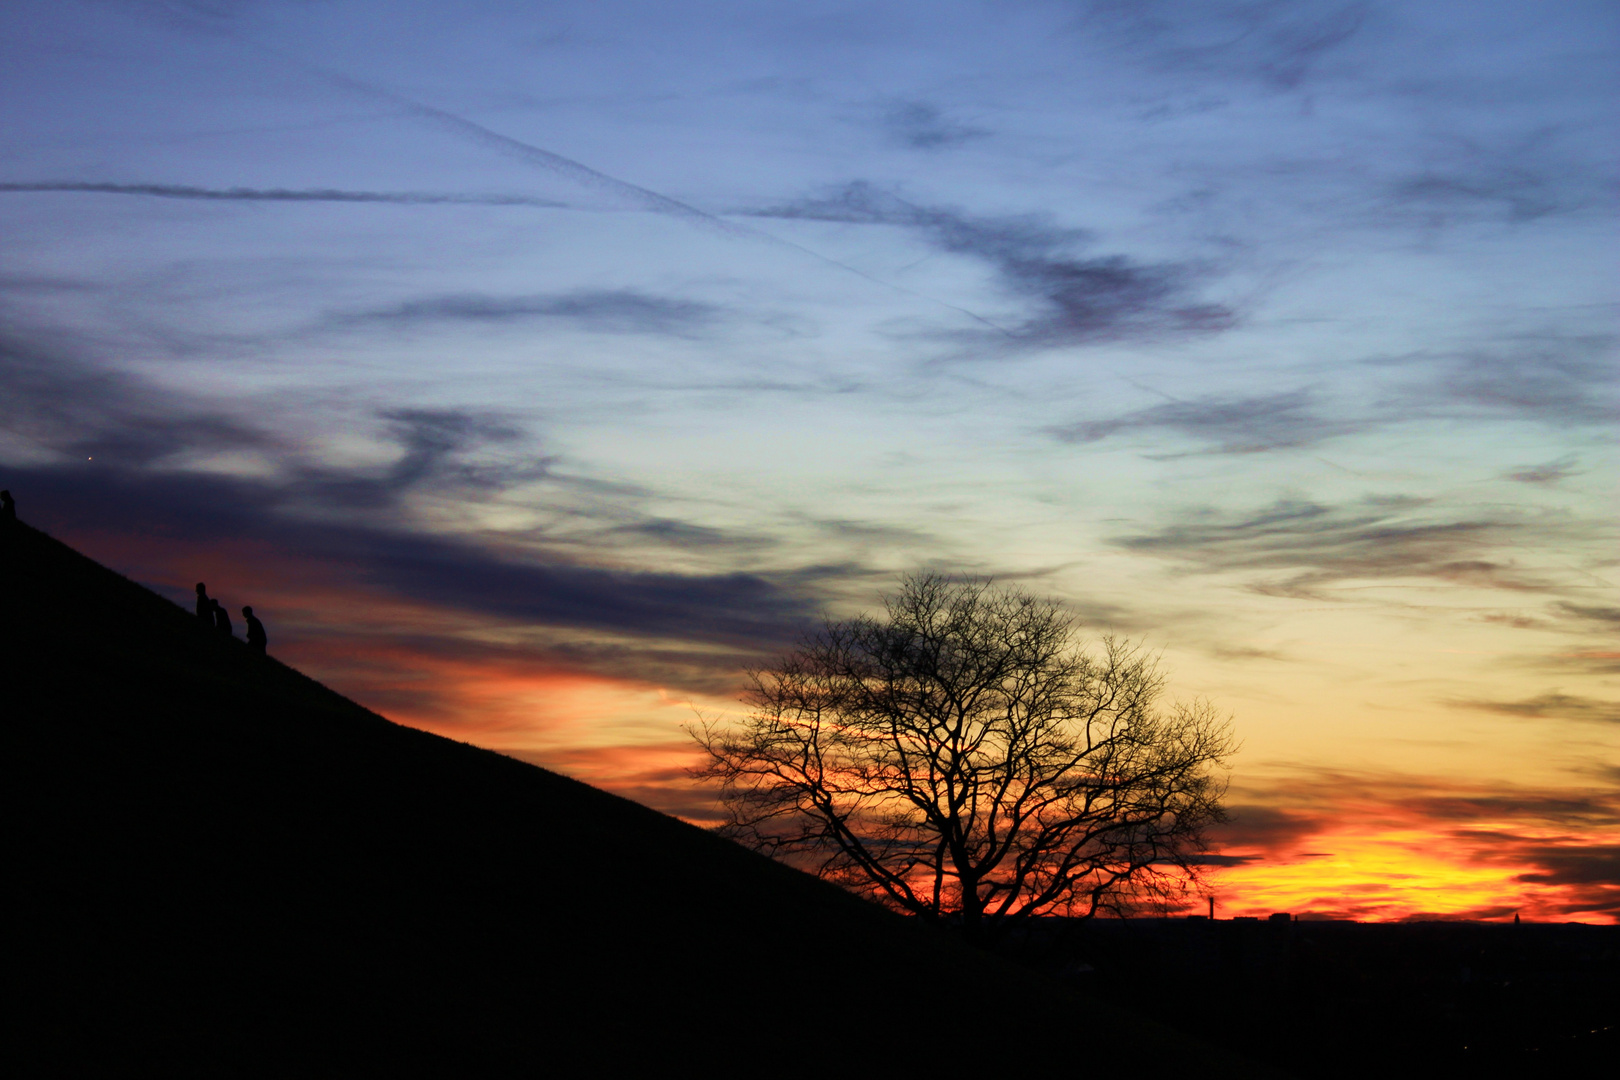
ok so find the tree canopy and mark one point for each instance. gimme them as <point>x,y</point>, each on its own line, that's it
<point>964,758</point>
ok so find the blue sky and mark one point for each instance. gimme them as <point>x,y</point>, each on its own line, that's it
<point>541,366</point>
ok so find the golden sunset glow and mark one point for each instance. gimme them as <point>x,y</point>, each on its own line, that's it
<point>1405,874</point>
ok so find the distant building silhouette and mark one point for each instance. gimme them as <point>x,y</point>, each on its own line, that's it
<point>205,606</point>
<point>222,619</point>
<point>255,631</point>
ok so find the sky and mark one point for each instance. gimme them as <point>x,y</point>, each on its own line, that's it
<point>537,369</point>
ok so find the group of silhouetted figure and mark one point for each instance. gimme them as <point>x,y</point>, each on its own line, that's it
<point>213,613</point>
<point>209,610</point>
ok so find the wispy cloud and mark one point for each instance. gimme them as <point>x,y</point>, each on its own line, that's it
<point>922,126</point>
<point>1546,474</point>
<point>601,310</point>
<point>1556,378</point>
<point>1318,546</point>
<point>284,195</point>
<point>1553,706</point>
<point>1230,425</point>
<point>1277,45</point>
<point>1514,178</point>
<point>1271,829</point>
<point>430,443</point>
<point>1595,614</point>
<point>1078,299</point>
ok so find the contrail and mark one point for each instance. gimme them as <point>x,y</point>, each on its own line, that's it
<point>556,163</point>
<point>534,155</point>
<point>594,178</point>
<point>182,191</point>
<point>601,181</point>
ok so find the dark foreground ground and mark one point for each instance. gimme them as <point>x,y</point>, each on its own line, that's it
<point>216,866</point>
<point>1340,999</point>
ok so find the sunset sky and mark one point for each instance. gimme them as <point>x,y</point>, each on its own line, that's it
<point>536,368</point>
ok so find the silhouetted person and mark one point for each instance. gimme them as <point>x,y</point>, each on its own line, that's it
<point>205,605</point>
<point>255,631</point>
<point>222,620</point>
<point>8,508</point>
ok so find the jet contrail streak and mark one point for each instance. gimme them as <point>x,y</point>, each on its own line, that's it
<point>557,164</point>
<point>183,191</point>
<point>584,174</point>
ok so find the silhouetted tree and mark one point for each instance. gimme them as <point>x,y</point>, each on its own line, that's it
<point>964,759</point>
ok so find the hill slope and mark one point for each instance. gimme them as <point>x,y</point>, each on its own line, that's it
<point>215,863</point>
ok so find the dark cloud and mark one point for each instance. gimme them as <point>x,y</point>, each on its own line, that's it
<point>1080,299</point>
<point>1554,378</point>
<point>1515,178</point>
<point>729,608</point>
<point>430,442</point>
<point>1275,43</point>
<point>1270,828</point>
<point>1243,652</point>
<point>1553,706</point>
<point>244,194</point>
<point>90,413</point>
<point>1603,616</point>
<point>602,310</point>
<point>1318,546</point>
<point>356,521</point>
<point>1225,860</point>
<point>526,586</point>
<point>1598,661</point>
<point>1595,865</point>
<point>1440,198</point>
<point>1318,797</point>
<point>1548,474</point>
<point>685,534</point>
<point>924,127</point>
<point>1518,622</point>
<point>1229,425</point>
<point>83,411</point>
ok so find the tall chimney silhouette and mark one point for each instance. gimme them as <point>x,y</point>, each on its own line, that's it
<point>1211,907</point>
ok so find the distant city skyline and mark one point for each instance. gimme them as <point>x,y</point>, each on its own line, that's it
<point>533,370</point>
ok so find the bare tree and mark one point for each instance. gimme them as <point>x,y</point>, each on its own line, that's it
<point>964,759</point>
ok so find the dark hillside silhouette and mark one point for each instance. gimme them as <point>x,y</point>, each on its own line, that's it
<point>216,865</point>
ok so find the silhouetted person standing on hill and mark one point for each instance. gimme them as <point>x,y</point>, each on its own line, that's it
<point>222,619</point>
<point>205,605</point>
<point>8,508</point>
<point>255,631</point>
